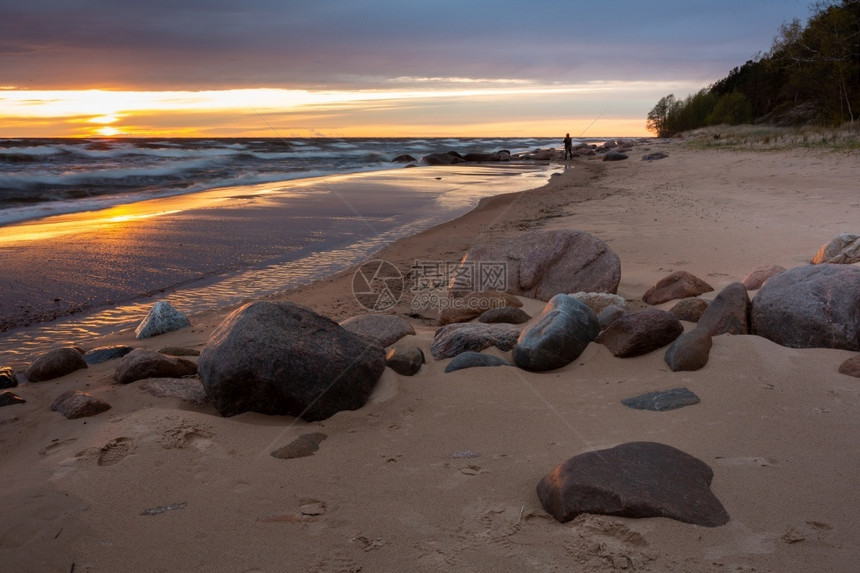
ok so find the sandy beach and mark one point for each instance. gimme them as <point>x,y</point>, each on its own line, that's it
<point>438,471</point>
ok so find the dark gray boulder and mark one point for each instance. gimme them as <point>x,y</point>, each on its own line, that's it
<point>557,336</point>
<point>383,329</point>
<point>470,359</point>
<point>162,318</point>
<point>614,156</point>
<point>508,314</point>
<point>405,360</point>
<point>662,400</point>
<point>728,313</point>
<point>55,363</point>
<point>542,264</point>
<point>636,479</point>
<point>814,306</point>
<point>655,156</point>
<point>105,353</point>
<point>450,158</point>
<point>405,158</point>
<point>453,339</point>
<point>7,378</point>
<point>141,363</point>
<point>75,404</point>
<point>679,284</point>
<point>690,351</point>
<point>640,332</point>
<point>285,359</point>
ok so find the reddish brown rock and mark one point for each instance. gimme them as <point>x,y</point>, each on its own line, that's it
<point>679,284</point>
<point>75,404</point>
<point>140,363</point>
<point>689,309</point>
<point>640,332</point>
<point>636,479</point>
<point>757,277</point>
<point>690,351</point>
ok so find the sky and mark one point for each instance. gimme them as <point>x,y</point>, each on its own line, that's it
<point>365,68</point>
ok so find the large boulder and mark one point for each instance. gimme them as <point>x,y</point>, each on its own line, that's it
<point>728,313</point>
<point>640,332</point>
<point>55,363</point>
<point>814,306</point>
<point>162,318</point>
<point>844,249</point>
<point>679,284</point>
<point>285,359</point>
<point>542,264</point>
<point>141,363</point>
<point>453,339</point>
<point>558,336</point>
<point>636,479</point>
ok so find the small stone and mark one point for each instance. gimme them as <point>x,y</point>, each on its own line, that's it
<point>7,378</point>
<point>55,363</point>
<point>507,314</point>
<point>758,276</point>
<point>609,315</point>
<point>188,389</point>
<point>75,404</point>
<point>141,363</point>
<point>851,367</point>
<point>405,360</point>
<point>472,359</point>
<point>453,339</point>
<point>178,351</point>
<point>162,318</point>
<point>8,398</point>
<point>313,509</point>
<point>690,351</point>
<point>679,284</point>
<point>105,353</point>
<point>565,327</point>
<point>662,400</point>
<point>640,332</point>
<point>728,313</point>
<point>303,446</point>
<point>689,309</point>
<point>383,329</point>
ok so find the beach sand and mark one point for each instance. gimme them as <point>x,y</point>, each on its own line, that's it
<point>438,471</point>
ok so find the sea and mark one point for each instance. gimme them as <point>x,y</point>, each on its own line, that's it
<point>42,178</point>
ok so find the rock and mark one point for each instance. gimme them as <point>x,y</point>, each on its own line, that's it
<point>285,359</point>
<point>542,264</point>
<point>640,332</point>
<point>679,284</point>
<point>480,157</point>
<point>188,389</point>
<point>7,378</point>
<point>462,307</point>
<point>654,156</point>
<point>557,336</point>
<point>728,313</point>
<point>689,309</point>
<point>450,158</point>
<point>662,400</point>
<point>105,353</point>
<point>844,249</point>
<point>814,306</point>
<point>597,301</point>
<point>8,398</point>
<point>453,339</point>
<point>141,363</point>
<point>406,158</point>
<point>405,360</point>
<point>303,446</point>
<point>614,156</point>
<point>759,275</point>
<point>55,363</point>
<point>471,359</point>
<point>609,315</point>
<point>690,351</point>
<point>75,404</point>
<point>508,314</point>
<point>636,479</point>
<point>851,367</point>
<point>178,351</point>
<point>383,329</point>
<point>162,318</point>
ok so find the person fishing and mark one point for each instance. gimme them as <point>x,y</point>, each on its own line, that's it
<point>568,147</point>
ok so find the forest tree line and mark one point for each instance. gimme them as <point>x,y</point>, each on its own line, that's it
<point>810,75</point>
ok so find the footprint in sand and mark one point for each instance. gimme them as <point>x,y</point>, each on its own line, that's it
<point>115,450</point>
